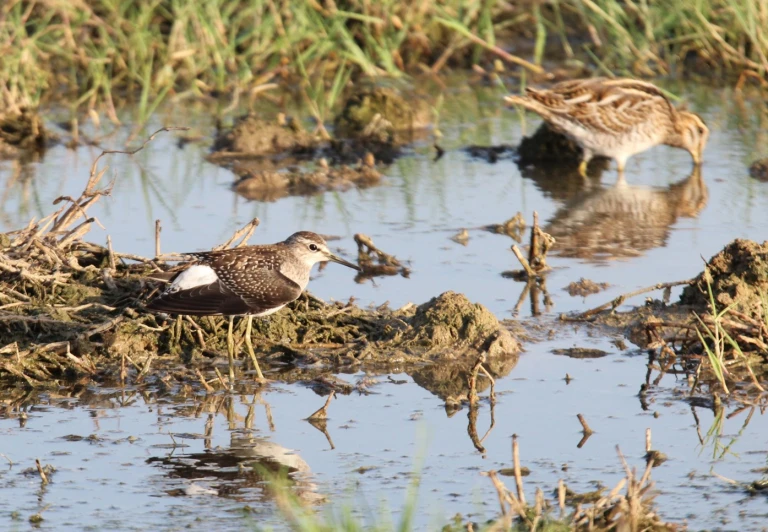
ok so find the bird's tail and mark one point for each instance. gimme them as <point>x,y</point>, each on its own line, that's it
<point>527,102</point>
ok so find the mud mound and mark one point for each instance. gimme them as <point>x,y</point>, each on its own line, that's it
<point>254,136</point>
<point>380,114</point>
<point>584,287</point>
<point>451,320</point>
<point>738,276</point>
<point>21,131</point>
<point>547,146</point>
<point>453,331</point>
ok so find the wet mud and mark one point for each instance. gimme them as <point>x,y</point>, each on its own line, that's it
<point>382,115</point>
<point>277,158</point>
<point>22,131</point>
<point>253,136</point>
<point>546,146</point>
<point>737,278</point>
<point>720,318</point>
<point>585,287</point>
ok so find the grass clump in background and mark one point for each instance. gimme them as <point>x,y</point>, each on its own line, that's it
<point>98,53</point>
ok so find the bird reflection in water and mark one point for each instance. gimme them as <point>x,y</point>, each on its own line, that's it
<point>624,220</point>
<point>240,471</point>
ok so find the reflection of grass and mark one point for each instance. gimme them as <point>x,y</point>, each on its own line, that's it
<point>715,432</point>
<point>345,518</point>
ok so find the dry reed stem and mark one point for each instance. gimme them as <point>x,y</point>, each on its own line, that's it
<point>158,229</point>
<point>322,413</point>
<point>41,471</point>
<point>516,466</point>
<point>614,303</point>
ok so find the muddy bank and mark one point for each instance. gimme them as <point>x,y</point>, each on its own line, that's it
<point>720,320</point>
<point>253,136</point>
<point>382,113</point>
<point>279,157</point>
<point>86,320</point>
<point>737,277</point>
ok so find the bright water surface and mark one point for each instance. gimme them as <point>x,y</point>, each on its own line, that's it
<point>128,476</point>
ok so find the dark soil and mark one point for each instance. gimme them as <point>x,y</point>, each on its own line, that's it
<point>759,170</point>
<point>737,275</point>
<point>546,146</point>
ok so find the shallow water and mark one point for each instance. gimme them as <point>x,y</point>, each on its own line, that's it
<point>653,228</point>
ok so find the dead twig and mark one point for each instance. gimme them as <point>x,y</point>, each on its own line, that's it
<point>322,413</point>
<point>613,304</point>
<point>41,471</point>
<point>244,234</point>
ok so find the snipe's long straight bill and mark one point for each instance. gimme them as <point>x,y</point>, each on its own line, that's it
<point>333,258</point>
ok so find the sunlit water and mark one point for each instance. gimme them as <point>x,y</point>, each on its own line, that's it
<point>129,476</point>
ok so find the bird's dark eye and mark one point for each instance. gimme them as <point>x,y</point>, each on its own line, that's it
<point>313,247</point>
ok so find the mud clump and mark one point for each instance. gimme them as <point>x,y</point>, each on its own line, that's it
<point>451,320</point>
<point>254,136</point>
<point>737,275</point>
<point>380,114</point>
<point>584,287</point>
<point>454,331</point>
<point>21,131</point>
<point>547,146</point>
<point>759,170</point>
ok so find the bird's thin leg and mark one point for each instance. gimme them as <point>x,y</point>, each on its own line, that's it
<point>231,352</point>
<point>249,345</point>
<point>586,157</point>
<point>622,163</point>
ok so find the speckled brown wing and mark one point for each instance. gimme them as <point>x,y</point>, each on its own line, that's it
<point>213,299</point>
<point>612,106</point>
<point>253,274</point>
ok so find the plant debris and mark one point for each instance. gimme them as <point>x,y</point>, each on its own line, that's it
<point>374,262</point>
<point>584,287</point>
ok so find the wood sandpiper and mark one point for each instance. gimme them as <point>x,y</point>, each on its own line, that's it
<point>248,281</point>
<point>615,118</point>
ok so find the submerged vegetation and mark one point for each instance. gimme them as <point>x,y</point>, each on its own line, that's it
<point>97,53</point>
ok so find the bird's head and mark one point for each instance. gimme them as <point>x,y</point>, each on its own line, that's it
<point>311,248</point>
<point>692,134</point>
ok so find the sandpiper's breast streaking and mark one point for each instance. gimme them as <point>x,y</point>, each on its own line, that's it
<point>615,118</point>
<point>247,281</point>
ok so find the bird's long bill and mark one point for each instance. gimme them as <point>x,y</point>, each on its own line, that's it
<point>333,258</point>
